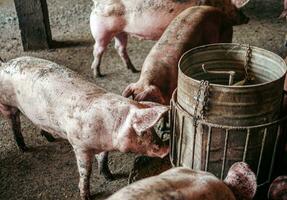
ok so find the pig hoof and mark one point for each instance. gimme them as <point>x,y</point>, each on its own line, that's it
<point>86,197</point>
<point>23,149</point>
<point>133,69</point>
<point>99,75</point>
<point>108,176</point>
<point>48,136</point>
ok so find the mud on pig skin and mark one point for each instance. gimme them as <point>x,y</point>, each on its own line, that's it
<point>185,184</point>
<point>193,27</point>
<point>146,19</point>
<point>62,103</point>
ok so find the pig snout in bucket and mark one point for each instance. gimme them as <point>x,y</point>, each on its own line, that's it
<point>159,148</point>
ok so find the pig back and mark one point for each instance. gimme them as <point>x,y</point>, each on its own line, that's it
<point>43,90</point>
<point>177,184</point>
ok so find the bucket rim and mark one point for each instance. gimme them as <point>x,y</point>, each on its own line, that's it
<point>174,103</point>
<point>232,46</point>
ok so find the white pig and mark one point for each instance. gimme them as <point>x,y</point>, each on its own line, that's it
<point>185,184</point>
<point>62,103</point>
<point>145,19</point>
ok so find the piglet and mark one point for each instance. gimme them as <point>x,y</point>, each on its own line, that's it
<point>193,27</point>
<point>185,184</point>
<point>94,121</point>
<point>145,19</point>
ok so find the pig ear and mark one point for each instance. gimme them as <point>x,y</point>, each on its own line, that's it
<point>239,3</point>
<point>146,118</point>
<point>242,181</point>
<point>151,94</point>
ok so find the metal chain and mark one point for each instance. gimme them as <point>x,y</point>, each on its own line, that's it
<point>247,62</point>
<point>204,85</point>
<point>205,99</point>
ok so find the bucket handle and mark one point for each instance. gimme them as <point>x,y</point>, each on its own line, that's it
<point>230,73</point>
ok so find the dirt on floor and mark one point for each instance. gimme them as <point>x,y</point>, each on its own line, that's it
<point>48,170</point>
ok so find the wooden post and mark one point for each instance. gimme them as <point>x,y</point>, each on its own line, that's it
<point>34,24</point>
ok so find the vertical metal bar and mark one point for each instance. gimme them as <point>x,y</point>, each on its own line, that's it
<point>246,145</point>
<point>173,136</point>
<point>261,150</point>
<point>274,152</point>
<point>193,145</point>
<point>171,132</point>
<point>224,153</point>
<point>180,141</point>
<point>208,148</point>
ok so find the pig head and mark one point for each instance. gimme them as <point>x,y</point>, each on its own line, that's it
<point>185,184</point>
<point>136,133</point>
<point>232,8</point>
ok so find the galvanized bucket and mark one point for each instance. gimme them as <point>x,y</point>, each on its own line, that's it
<point>213,124</point>
<point>252,104</point>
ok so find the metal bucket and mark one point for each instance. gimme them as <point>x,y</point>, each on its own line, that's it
<point>214,124</point>
<point>252,104</point>
<point>214,148</point>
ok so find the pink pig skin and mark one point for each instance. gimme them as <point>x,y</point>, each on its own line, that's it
<point>62,103</point>
<point>145,19</point>
<point>185,184</point>
<point>278,189</point>
<point>193,27</point>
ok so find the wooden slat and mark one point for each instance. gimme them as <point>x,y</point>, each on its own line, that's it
<point>34,24</point>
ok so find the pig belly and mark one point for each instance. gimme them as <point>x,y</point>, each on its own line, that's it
<point>148,26</point>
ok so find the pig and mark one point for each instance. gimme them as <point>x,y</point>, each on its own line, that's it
<point>182,183</point>
<point>145,19</point>
<point>62,103</point>
<point>278,189</point>
<point>195,26</point>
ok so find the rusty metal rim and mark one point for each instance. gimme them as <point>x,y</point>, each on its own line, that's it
<point>174,103</point>
<point>234,45</point>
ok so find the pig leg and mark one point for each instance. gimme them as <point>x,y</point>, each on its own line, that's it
<point>48,136</point>
<point>121,41</point>
<point>84,162</point>
<point>13,115</point>
<point>16,129</point>
<point>226,35</point>
<point>99,48</point>
<point>103,165</point>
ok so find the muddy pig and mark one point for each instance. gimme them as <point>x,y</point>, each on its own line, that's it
<point>94,121</point>
<point>185,184</point>
<point>278,189</point>
<point>195,26</point>
<point>145,19</point>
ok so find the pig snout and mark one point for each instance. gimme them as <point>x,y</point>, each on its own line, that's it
<point>159,148</point>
